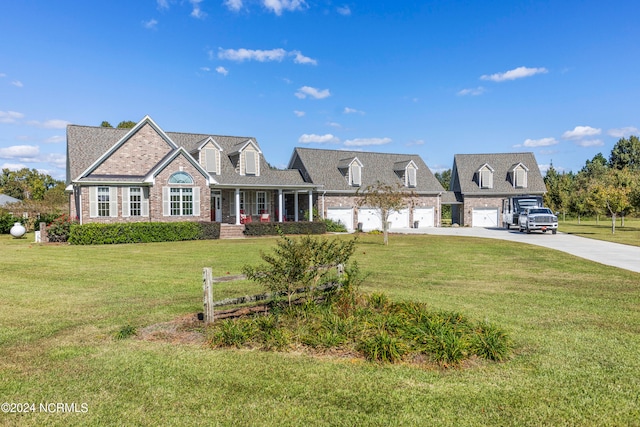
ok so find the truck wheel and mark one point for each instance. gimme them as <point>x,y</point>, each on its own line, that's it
<point>554,231</point>
<point>528,230</point>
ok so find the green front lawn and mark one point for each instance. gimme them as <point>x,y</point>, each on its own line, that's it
<point>629,234</point>
<point>575,325</point>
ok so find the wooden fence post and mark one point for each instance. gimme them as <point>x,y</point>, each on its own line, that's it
<point>207,280</point>
<point>340,268</point>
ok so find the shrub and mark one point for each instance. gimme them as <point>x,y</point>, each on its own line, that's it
<point>126,332</point>
<point>142,232</point>
<point>60,229</point>
<point>230,333</point>
<point>490,342</point>
<point>6,222</point>
<point>335,226</point>
<point>382,347</point>
<point>275,228</point>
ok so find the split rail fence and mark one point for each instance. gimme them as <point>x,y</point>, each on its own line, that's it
<point>208,281</point>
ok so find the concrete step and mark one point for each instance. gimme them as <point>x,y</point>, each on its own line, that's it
<point>231,231</point>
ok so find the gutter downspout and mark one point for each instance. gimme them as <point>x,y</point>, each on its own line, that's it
<point>439,209</point>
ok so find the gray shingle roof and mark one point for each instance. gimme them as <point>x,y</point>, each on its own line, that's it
<point>324,167</point>
<point>4,199</point>
<point>85,145</point>
<point>465,166</point>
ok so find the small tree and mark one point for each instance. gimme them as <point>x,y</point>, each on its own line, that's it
<point>302,262</point>
<point>386,198</point>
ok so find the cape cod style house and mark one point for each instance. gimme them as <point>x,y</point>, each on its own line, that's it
<point>147,174</point>
<point>340,174</point>
<point>481,182</point>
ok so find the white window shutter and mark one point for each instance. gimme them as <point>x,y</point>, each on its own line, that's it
<point>113,202</point>
<point>210,159</point>
<point>356,175</point>
<point>196,201</point>
<point>412,177</point>
<point>250,162</point>
<point>145,202</point>
<point>166,201</point>
<point>93,202</point>
<point>125,201</point>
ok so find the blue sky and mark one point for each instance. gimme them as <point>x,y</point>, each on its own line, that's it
<point>434,78</point>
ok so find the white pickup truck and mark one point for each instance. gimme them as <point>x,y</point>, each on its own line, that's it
<point>532,219</point>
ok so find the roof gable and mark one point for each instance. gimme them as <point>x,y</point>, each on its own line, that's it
<point>170,158</point>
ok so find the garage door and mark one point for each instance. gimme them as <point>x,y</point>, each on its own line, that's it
<point>484,217</point>
<point>424,216</point>
<point>343,215</point>
<point>370,219</point>
<point>399,219</point>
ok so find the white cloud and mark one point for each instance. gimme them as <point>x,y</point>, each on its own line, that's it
<point>516,73</point>
<point>10,116</point>
<point>318,139</point>
<point>361,142</point>
<point>590,143</point>
<point>299,113</point>
<point>543,142</point>
<point>55,139</point>
<point>163,4</point>
<point>234,5</point>
<point>150,24</point>
<point>415,142</point>
<point>623,132</point>
<point>222,70</point>
<point>49,124</point>
<point>348,110</point>
<point>17,83</point>
<point>3,75</point>
<point>252,55</point>
<point>335,125</point>
<point>13,166</point>
<point>56,159</point>
<point>24,153</point>
<point>344,10</point>
<point>301,59</point>
<point>312,92</point>
<point>580,132</point>
<point>473,91</point>
<point>197,12</point>
<point>277,6</point>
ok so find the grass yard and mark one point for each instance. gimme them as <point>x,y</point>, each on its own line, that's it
<point>628,235</point>
<point>576,326</point>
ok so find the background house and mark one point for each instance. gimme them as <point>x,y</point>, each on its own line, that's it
<point>340,174</point>
<point>480,182</point>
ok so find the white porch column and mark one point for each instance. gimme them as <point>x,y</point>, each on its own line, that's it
<point>280,204</point>
<point>310,205</point>
<point>237,196</point>
<point>295,208</point>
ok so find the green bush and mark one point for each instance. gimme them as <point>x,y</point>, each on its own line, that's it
<point>60,228</point>
<point>126,332</point>
<point>334,226</point>
<point>142,232</point>
<point>382,347</point>
<point>275,228</point>
<point>6,222</point>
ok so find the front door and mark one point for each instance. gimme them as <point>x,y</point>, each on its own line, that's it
<point>216,208</point>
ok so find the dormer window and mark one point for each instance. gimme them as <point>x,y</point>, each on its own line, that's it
<point>411,177</point>
<point>250,163</point>
<point>355,173</point>
<point>211,160</point>
<point>485,176</point>
<point>407,172</point>
<point>519,175</point>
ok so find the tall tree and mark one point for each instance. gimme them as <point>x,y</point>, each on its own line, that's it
<point>559,189</point>
<point>626,153</point>
<point>126,124</point>
<point>613,193</point>
<point>386,198</point>
<point>105,124</point>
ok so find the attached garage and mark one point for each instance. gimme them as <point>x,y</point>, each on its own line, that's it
<point>370,219</point>
<point>343,215</point>
<point>399,219</point>
<point>424,216</point>
<point>484,217</point>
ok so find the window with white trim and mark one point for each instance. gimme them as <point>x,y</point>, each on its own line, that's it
<point>181,198</point>
<point>135,201</point>
<point>211,160</point>
<point>261,202</point>
<point>485,178</point>
<point>355,172</point>
<point>250,160</point>
<point>411,177</point>
<point>519,177</point>
<point>103,201</point>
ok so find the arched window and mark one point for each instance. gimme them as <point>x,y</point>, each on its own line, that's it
<point>180,178</point>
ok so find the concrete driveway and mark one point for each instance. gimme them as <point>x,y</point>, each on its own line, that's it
<point>614,254</point>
